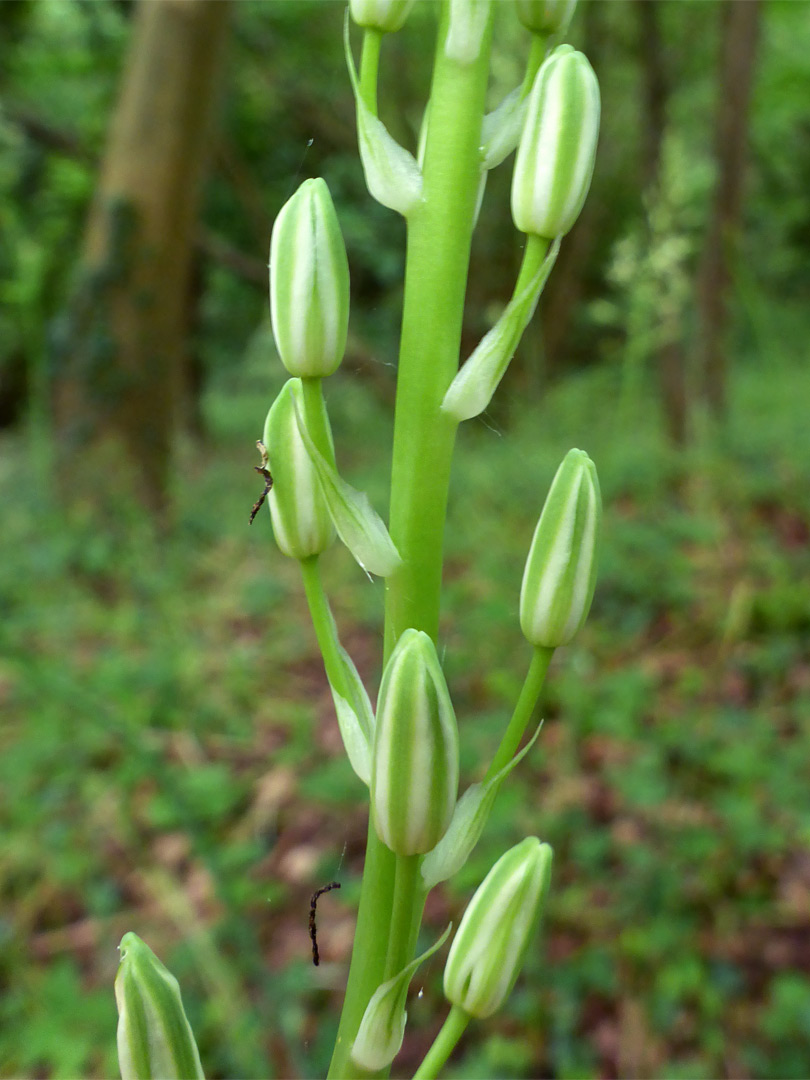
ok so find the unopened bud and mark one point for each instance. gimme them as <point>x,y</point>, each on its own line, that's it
<point>154,1036</point>
<point>309,283</point>
<point>560,574</point>
<point>384,15</point>
<point>489,949</point>
<point>556,153</point>
<point>546,16</point>
<point>301,521</point>
<point>414,770</point>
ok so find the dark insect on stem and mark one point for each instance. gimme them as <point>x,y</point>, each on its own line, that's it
<point>268,481</point>
<point>312,931</point>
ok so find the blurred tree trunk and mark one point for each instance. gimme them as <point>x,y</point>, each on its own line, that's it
<point>670,361</point>
<point>124,362</point>
<point>655,88</point>
<point>735,78</point>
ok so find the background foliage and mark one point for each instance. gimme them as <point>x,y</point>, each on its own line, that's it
<point>169,759</point>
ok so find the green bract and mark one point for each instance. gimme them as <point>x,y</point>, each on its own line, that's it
<point>555,157</point>
<point>383,1026</point>
<point>154,1036</point>
<point>472,389</point>
<point>546,16</point>
<point>309,283</point>
<point>392,174</point>
<point>560,573</point>
<point>301,520</point>
<point>414,768</point>
<point>383,15</point>
<point>488,951</point>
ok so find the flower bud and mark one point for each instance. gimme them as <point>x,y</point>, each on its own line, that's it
<point>560,573</point>
<point>309,283</point>
<point>414,769</point>
<point>546,16</point>
<point>384,15</point>
<point>497,928</point>
<point>154,1036</point>
<point>301,521</point>
<point>556,153</point>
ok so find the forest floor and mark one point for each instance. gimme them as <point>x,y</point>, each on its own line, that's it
<point>170,762</point>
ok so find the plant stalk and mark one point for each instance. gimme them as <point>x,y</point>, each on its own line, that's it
<point>439,238</point>
<point>444,1044</point>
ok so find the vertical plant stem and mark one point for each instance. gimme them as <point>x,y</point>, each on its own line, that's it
<point>369,65</point>
<point>444,1044</point>
<point>522,714</point>
<point>323,623</point>
<point>537,54</point>
<point>399,936</point>
<point>315,416</point>
<point>378,871</point>
<point>439,237</point>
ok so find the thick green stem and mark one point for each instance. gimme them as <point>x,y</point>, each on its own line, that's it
<point>399,934</point>
<point>444,1044</point>
<point>439,237</point>
<point>524,708</point>
<point>378,872</point>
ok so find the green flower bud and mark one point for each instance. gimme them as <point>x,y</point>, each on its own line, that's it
<point>556,153</point>
<point>309,283</point>
<point>154,1036</point>
<point>414,766</point>
<point>560,573</point>
<point>301,521</point>
<point>546,16</point>
<point>497,928</point>
<point>384,15</point>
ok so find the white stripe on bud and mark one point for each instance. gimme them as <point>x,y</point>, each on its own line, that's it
<point>154,1036</point>
<point>301,521</point>
<point>309,283</point>
<point>556,153</point>
<point>414,770</point>
<point>560,574</point>
<point>383,15</point>
<point>488,951</point>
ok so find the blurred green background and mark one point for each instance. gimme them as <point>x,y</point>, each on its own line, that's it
<point>169,758</point>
